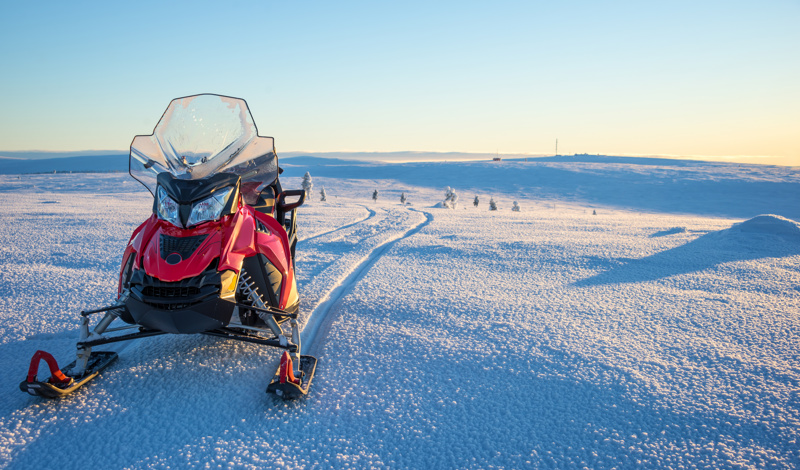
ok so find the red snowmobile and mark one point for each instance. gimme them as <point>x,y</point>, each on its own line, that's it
<point>216,257</point>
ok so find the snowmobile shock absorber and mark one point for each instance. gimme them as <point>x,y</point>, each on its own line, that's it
<point>248,288</point>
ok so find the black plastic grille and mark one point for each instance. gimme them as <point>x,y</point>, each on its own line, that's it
<point>184,246</point>
<point>169,292</point>
<point>170,307</point>
<point>175,295</point>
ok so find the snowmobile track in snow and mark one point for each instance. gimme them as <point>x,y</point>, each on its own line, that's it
<point>321,319</point>
<point>371,214</point>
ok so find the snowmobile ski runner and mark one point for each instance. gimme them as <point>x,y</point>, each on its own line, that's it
<point>216,257</point>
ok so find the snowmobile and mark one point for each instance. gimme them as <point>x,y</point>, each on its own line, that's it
<point>216,257</point>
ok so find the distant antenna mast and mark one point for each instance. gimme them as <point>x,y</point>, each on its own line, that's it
<point>556,147</point>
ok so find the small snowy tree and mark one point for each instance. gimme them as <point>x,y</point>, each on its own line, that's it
<point>450,198</point>
<point>323,196</point>
<point>403,198</point>
<point>516,207</point>
<point>475,202</point>
<point>492,204</point>
<point>307,184</point>
<point>375,195</point>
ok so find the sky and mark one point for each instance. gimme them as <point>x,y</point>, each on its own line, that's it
<point>714,79</point>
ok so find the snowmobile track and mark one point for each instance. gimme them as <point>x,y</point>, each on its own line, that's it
<point>320,319</point>
<point>371,214</point>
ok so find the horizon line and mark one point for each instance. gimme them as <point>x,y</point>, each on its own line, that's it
<point>710,158</point>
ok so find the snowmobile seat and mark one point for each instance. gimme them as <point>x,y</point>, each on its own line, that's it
<point>266,201</point>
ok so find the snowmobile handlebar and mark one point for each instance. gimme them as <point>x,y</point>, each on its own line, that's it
<point>283,206</point>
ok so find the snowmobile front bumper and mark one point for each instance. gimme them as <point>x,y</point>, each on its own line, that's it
<point>185,318</point>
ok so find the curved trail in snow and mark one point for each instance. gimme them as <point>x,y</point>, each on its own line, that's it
<point>371,214</point>
<point>320,319</point>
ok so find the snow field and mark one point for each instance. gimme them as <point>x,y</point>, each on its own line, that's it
<point>549,368</point>
<point>464,338</point>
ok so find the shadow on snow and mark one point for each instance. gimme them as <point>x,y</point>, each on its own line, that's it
<point>758,238</point>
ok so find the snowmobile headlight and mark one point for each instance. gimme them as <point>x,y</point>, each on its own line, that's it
<point>167,208</point>
<point>209,208</point>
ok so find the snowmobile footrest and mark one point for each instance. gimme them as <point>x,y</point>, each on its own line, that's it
<point>288,390</point>
<point>49,388</point>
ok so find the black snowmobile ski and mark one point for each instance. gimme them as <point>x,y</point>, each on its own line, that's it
<point>285,384</point>
<point>64,381</point>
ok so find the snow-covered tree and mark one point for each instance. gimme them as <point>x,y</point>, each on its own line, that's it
<point>453,198</point>
<point>450,198</point>
<point>403,198</point>
<point>323,196</point>
<point>307,184</point>
<point>375,195</point>
<point>475,202</point>
<point>516,207</point>
<point>492,204</point>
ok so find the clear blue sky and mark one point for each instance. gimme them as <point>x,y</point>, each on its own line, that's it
<point>712,78</point>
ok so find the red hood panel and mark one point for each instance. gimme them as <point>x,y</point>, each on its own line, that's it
<point>196,263</point>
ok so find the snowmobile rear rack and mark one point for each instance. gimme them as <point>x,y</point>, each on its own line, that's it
<point>286,207</point>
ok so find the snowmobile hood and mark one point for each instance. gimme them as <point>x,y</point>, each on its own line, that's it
<point>173,254</point>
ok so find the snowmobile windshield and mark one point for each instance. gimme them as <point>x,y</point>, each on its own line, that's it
<point>203,135</point>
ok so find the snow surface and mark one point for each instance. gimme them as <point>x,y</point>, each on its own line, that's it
<point>662,332</point>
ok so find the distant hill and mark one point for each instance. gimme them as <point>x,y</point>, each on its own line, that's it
<point>85,163</point>
<point>357,162</point>
<point>404,157</point>
<point>44,154</point>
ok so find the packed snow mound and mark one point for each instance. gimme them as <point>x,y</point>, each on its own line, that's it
<point>671,231</point>
<point>768,224</point>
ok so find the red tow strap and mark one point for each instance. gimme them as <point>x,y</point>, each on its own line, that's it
<point>286,369</point>
<point>56,376</point>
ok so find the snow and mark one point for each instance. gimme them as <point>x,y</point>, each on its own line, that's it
<point>662,332</point>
